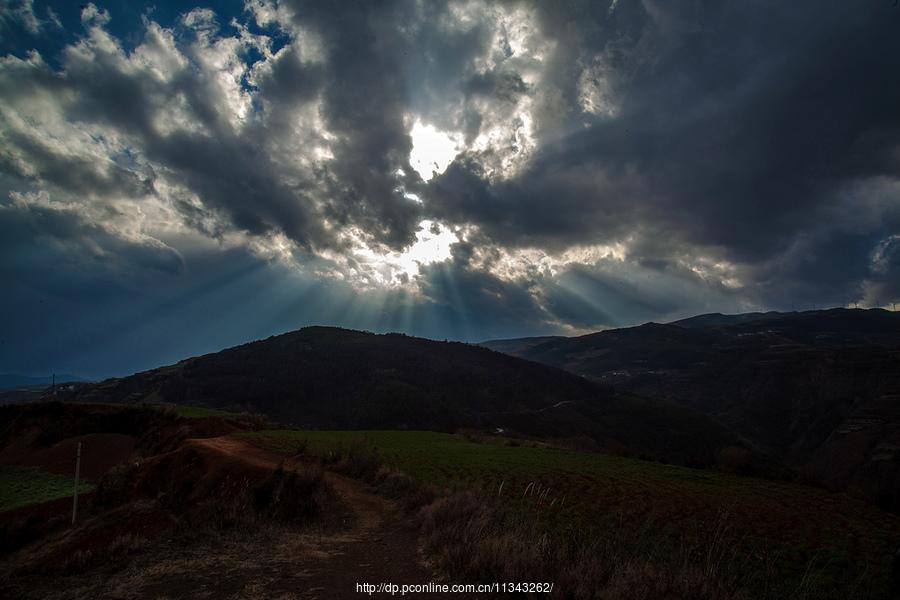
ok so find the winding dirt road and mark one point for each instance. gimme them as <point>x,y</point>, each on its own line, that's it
<point>380,545</point>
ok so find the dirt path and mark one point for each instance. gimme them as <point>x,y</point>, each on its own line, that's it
<point>369,509</point>
<point>379,546</point>
<point>364,539</point>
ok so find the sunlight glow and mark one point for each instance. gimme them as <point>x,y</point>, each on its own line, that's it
<point>432,150</point>
<point>432,245</point>
<point>396,269</point>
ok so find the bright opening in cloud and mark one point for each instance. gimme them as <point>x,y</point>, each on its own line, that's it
<point>432,245</point>
<point>433,150</point>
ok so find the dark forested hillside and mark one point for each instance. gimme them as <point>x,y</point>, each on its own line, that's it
<point>820,389</point>
<point>323,377</point>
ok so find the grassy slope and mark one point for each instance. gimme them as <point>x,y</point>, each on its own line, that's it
<point>833,534</point>
<point>199,412</point>
<point>329,378</point>
<point>25,486</point>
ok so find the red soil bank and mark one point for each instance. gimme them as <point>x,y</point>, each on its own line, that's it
<point>99,453</point>
<point>200,470</point>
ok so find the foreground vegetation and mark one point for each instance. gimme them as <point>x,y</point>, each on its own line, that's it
<point>24,486</point>
<point>572,513</point>
<point>486,508</point>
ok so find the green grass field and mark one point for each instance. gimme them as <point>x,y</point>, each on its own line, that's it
<point>803,525</point>
<point>24,486</point>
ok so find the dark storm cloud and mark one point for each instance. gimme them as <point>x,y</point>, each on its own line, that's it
<point>34,232</point>
<point>556,207</point>
<point>364,106</point>
<point>735,121</point>
<point>289,81</point>
<point>76,174</point>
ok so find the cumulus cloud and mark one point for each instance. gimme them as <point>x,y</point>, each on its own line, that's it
<point>33,219</point>
<point>21,13</point>
<point>93,16</point>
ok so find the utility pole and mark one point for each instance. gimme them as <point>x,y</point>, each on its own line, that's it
<point>53,385</point>
<point>77,474</point>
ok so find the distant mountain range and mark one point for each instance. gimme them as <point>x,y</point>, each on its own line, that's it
<point>820,390</point>
<point>329,378</point>
<point>813,393</point>
<point>13,380</point>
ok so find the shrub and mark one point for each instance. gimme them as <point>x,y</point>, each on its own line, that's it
<point>301,447</point>
<point>295,495</point>
<point>358,459</point>
<point>115,487</point>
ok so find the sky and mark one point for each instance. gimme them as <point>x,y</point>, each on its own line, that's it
<point>176,178</point>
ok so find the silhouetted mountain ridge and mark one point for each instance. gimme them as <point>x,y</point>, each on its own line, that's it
<point>820,389</point>
<point>323,377</point>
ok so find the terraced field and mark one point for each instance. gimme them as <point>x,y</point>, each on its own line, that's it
<point>792,528</point>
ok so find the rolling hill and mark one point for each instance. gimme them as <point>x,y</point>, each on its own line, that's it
<point>321,377</point>
<point>818,389</point>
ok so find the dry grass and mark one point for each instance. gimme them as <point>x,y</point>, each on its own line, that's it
<point>475,538</point>
<point>244,544</point>
<point>246,562</point>
<point>286,498</point>
<point>774,538</point>
<point>471,538</point>
<point>294,495</point>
